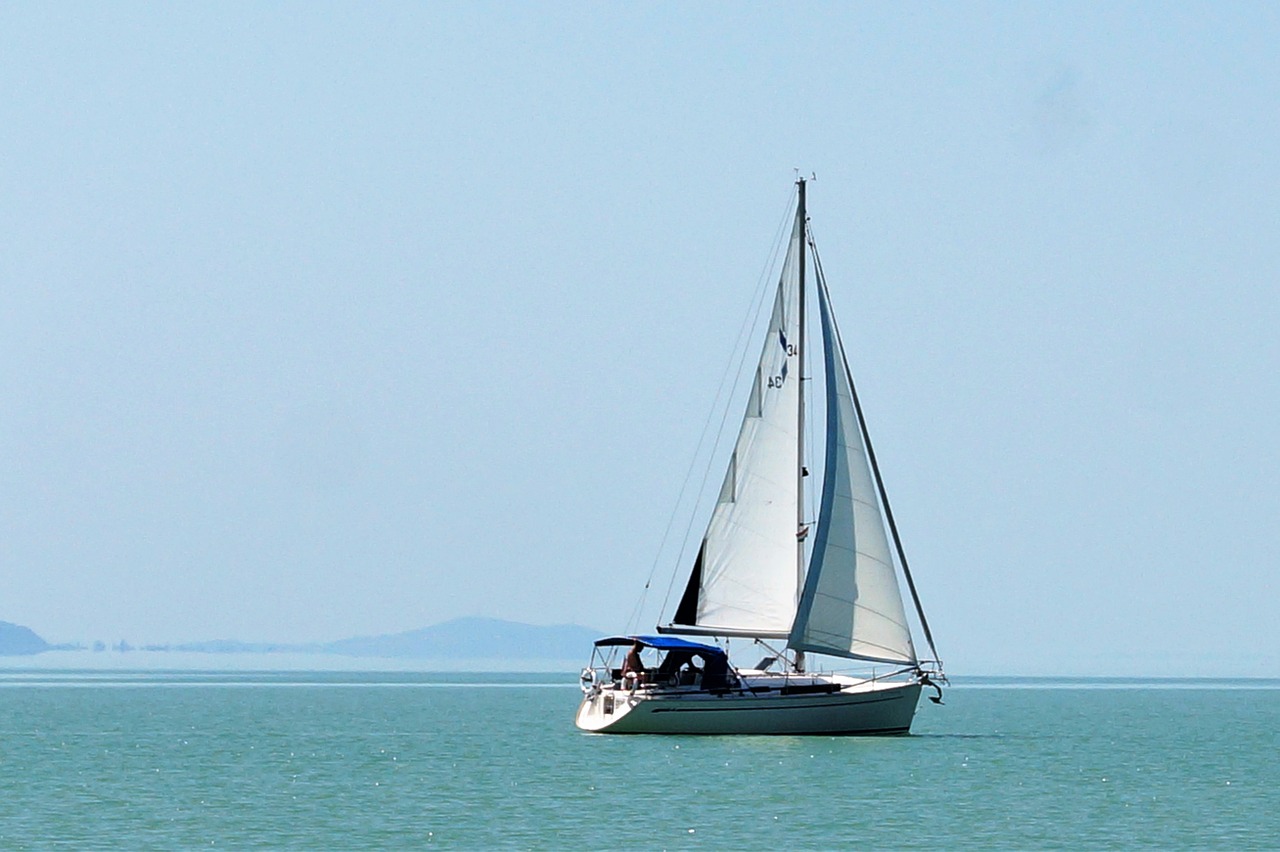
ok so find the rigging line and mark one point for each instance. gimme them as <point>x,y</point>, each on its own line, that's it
<point>741,341</point>
<point>740,358</point>
<point>814,482</point>
<point>734,367</point>
<point>875,467</point>
<point>812,499</point>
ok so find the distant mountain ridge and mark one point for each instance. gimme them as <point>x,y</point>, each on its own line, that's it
<point>461,639</point>
<point>16,640</point>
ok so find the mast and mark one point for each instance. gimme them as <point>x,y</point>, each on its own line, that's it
<point>802,215</point>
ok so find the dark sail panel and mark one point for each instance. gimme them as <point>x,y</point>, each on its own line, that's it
<point>687,611</point>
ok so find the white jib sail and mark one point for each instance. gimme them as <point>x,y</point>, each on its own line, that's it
<point>851,605</point>
<point>745,584</point>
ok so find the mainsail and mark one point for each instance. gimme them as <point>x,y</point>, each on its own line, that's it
<point>736,586</point>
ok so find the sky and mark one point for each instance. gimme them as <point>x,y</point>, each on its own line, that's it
<point>321,320</point>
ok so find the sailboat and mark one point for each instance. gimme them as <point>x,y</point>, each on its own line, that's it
<point>769,572</point>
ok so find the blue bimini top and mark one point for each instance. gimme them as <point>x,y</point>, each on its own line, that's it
<point>664,643</point>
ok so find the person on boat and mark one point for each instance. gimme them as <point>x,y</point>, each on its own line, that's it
<point>632,665</point>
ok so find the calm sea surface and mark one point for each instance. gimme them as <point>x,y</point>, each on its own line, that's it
<point>353,761</point>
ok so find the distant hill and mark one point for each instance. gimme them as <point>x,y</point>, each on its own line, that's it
<point>461,641</point>
<point>474,638</point>
<point>18,640</point>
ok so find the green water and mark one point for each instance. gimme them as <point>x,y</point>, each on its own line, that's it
<point>354,761</point>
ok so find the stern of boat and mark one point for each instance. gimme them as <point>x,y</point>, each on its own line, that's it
<point>602,708</point>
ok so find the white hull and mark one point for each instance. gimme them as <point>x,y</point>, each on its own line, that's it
<point>856,707</point>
